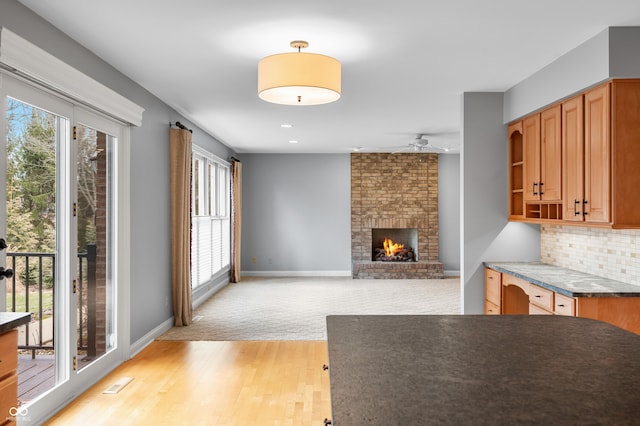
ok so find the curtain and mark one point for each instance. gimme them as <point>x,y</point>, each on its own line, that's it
<point>180,170</point>
<point>236,218</point>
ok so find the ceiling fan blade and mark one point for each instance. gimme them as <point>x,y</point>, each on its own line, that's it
<point>406,148</point>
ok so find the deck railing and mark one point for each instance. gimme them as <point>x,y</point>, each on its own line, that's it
<point>37,272</point>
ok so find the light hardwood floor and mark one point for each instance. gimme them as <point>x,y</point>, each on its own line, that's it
<point>212,383</point>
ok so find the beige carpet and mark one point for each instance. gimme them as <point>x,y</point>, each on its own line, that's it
<point>296,308</point>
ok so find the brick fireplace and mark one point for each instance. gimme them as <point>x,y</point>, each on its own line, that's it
<point>395,192</point>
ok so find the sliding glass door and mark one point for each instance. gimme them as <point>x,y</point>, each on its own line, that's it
<point>58,215</point>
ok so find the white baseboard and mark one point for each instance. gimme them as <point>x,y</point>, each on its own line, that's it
<point>296,273</point>
<point>146,340</point>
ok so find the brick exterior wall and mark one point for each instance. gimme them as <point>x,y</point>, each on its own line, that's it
<point>394,191</point>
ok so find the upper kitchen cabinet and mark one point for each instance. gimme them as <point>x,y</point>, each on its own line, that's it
<point>542,164</point>
<point>612,155</point>
<point>587,150</point>
<point>573,158</point>
<point>593,147</point>
<point>600,171</point>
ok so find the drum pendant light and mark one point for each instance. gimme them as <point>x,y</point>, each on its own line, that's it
<point>299,78</point>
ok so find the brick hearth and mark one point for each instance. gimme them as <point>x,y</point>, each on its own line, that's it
<point>395,191</point>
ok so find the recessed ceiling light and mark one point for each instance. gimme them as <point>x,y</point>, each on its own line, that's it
<point>293,141</point>
<point>286,126</point>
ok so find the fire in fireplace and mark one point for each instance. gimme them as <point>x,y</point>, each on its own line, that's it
<point>394,245</point>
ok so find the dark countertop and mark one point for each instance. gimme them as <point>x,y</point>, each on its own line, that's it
<point>473,369</point>
<point>11,320</point>
<point>566,281</point>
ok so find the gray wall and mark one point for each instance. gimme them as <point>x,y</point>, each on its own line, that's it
<point>296,212</point>
<point>449,212</point>
<point>150,223</point>
<point>582,67</point>
<point>613,53</point>
<point>486,234</point>
<point>624,45</point>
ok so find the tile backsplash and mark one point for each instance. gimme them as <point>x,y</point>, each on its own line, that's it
<point>608,253</point>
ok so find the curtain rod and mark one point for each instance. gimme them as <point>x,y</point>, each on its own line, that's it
<point>232,158</point>
<point>180,126</point>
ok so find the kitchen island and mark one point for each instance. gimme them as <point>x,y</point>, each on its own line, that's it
<point>473,369</point>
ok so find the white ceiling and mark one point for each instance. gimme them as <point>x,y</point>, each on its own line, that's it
<point>405,63</point>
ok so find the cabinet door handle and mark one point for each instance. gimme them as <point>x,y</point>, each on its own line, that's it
<point>535,184</point>
<point>561,306</point>
<point>541,193</point>
<point>538,296</point>
<point>584,207</point>
<point>576,203</point>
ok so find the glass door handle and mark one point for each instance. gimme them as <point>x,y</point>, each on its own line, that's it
<point>5,273</point>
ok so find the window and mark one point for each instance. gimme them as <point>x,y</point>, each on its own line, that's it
<point>210,221</point>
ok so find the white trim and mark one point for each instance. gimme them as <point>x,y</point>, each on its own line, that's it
<point>196,149</point>
<point>137,346</point>
<point>123,250</point>
<point>210,292</point>
<point>31,61</point>
<point>296,273</point>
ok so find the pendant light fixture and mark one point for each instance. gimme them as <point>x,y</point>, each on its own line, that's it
<point>299,78</point>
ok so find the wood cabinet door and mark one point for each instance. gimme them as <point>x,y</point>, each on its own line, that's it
<point>597,156</point>
<point>493,286</point>
<point>573,158</point>
<point>625,152</point>
<point>550,186</point>
<point>531,165</point>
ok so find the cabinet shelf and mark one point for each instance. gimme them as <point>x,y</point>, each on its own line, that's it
<point>543,211</point>
<point>516,172</point>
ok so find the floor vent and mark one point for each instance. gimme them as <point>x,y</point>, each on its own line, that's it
<point>197,318</point>
<point>119,385</point>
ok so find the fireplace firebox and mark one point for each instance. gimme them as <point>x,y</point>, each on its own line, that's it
<point>394,244</point>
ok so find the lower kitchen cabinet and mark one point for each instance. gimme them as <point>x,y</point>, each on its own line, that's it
<point>521,297</point>
<point>492,292</point>
<point>8,373</point>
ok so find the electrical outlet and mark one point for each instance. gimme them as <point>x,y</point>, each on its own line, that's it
<point>253,259</point>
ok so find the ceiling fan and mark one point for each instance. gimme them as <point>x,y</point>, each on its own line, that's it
<point>423,142</point>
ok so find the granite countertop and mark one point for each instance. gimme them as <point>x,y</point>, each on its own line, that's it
<point>477,369</point>
<point>11,320</point>
<point>566,281</point>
